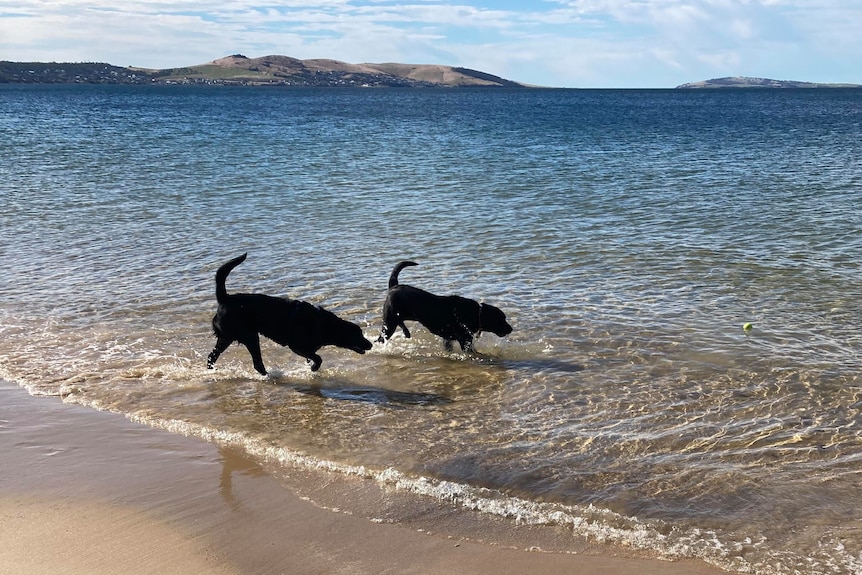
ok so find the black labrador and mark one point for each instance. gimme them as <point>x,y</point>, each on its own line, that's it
<point>452,317</point>
<point>299,325</point>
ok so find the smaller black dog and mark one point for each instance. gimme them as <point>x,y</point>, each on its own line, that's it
<point>454,318</point>
<point>296,324</point>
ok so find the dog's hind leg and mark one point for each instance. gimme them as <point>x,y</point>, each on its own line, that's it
<point>391,320</point>
<point>388,330</point>
<point>385,334</point>
<point>221,345</point>
<point>252,344</point>
<point>403,328</point>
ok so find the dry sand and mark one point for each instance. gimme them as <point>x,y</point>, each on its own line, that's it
<point>88,492</point>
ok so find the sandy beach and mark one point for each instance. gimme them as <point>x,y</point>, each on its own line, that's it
<point>83,492</point>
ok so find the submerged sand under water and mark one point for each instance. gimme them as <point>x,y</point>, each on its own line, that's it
<point>86,492</point>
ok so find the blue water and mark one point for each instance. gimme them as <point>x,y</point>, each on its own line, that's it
<point>628,236</point>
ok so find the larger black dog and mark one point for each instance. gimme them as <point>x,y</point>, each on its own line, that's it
<point>452,317</point>
<point>299,325</point>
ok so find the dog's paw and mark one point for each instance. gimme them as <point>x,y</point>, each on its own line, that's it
<point>315,363</point>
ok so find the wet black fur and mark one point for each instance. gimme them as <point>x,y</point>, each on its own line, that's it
<point>299,325</point>
<point>454,318</point>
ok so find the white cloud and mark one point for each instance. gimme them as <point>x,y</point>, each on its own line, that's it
<point>602,43</point>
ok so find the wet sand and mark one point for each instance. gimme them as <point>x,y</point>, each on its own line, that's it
<point>85,492</point>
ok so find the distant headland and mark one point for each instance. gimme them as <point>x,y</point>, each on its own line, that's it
<point>746,82</point>
<point>264,71</point>
<point>240,70</point>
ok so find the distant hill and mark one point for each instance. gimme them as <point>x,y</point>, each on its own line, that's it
<point>745,82</point>
<point>264,71</point>
<point>69,73</point>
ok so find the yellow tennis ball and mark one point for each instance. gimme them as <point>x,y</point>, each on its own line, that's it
<point>747,326</point>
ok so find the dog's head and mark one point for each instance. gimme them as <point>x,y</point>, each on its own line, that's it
<point>494,320</point>
<point>342,333</point>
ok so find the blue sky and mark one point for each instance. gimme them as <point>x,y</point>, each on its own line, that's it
<point>561,43</point>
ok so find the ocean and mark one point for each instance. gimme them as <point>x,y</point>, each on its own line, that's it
<point>628,235</point>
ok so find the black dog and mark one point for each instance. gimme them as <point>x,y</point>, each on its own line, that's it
<point>299,325</point>
<point>454,318</point>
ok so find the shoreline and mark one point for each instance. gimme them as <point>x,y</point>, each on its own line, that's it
<point>84,491</point>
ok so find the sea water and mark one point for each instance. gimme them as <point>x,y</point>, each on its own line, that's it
<point>628,236</point>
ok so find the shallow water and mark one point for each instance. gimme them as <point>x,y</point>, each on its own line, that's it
<point>628,236</point>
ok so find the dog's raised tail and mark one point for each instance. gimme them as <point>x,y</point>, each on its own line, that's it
<point>221,277</point>
<point>393,277</point>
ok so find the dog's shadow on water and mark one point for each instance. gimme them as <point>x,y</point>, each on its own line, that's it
<point>529,364</point>
<point>367,394</point>
<point>349,391</point>
<point>532,364</point>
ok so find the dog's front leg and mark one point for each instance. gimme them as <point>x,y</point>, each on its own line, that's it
<point>310,355</point>
<point>315,360</point>
<point>466,343</point>
<point>221,345</point>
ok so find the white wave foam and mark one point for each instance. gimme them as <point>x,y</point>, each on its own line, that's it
<point>600,525</point>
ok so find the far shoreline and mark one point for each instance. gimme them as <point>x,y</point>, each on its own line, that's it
<point>287,72</point>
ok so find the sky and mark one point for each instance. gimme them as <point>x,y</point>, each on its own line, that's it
<point>557,43</point>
